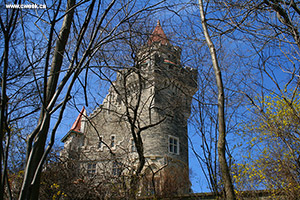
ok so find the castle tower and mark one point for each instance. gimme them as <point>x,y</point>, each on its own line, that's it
<point>172,87</point>
<point>156,95</point>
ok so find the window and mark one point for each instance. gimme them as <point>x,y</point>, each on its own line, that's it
<point>173,145</point>
<point>132,146</point>
<point>100,143</point>
<point>112,141</point>
<point>91,169</point>
<point>116,168</point>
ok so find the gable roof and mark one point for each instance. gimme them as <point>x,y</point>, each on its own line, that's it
<point>158,35</point>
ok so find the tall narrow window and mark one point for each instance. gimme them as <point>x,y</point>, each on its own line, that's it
<point>112,141</point>
<point>100,143</point>
<point>132,146</point>
<point>173,145</point>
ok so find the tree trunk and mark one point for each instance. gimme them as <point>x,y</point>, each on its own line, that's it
<point>7,31</point>
<point>31,182</point>
<point>228,186</point>
<point>2,114</point>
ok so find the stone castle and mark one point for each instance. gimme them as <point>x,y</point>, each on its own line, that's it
<point>145,111</point>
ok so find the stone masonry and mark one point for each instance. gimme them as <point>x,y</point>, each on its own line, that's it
<point>153,96</point>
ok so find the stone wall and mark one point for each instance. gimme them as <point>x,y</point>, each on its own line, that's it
<point>157,93</point>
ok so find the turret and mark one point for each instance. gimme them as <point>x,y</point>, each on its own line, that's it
<point>74,139</point>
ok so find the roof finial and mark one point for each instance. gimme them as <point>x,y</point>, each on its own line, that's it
<point>158,23</point>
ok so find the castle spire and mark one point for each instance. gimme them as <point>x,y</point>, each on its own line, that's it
<point>158,35</point>
<point>77,126</point>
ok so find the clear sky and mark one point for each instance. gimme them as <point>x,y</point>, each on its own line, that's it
<point>247,63</point>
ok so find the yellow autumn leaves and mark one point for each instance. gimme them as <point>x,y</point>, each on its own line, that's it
<point>271,157</point>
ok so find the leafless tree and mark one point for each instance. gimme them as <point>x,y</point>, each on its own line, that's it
<point>226,177</point>
<point>55,69</point>
<point>269,38</point>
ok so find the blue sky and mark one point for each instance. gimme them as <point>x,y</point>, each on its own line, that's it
<point>240,69</point>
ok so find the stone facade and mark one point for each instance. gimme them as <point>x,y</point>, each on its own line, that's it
<point>153,97</point>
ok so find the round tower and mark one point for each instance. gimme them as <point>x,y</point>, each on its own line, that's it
<point>172,87</point>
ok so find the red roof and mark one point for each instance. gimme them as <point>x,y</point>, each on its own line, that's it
<point>77,124</point>
<point>158,35</point>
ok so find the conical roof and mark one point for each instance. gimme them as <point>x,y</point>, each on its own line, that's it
<point>77,124</point>
<point>158,35</point>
